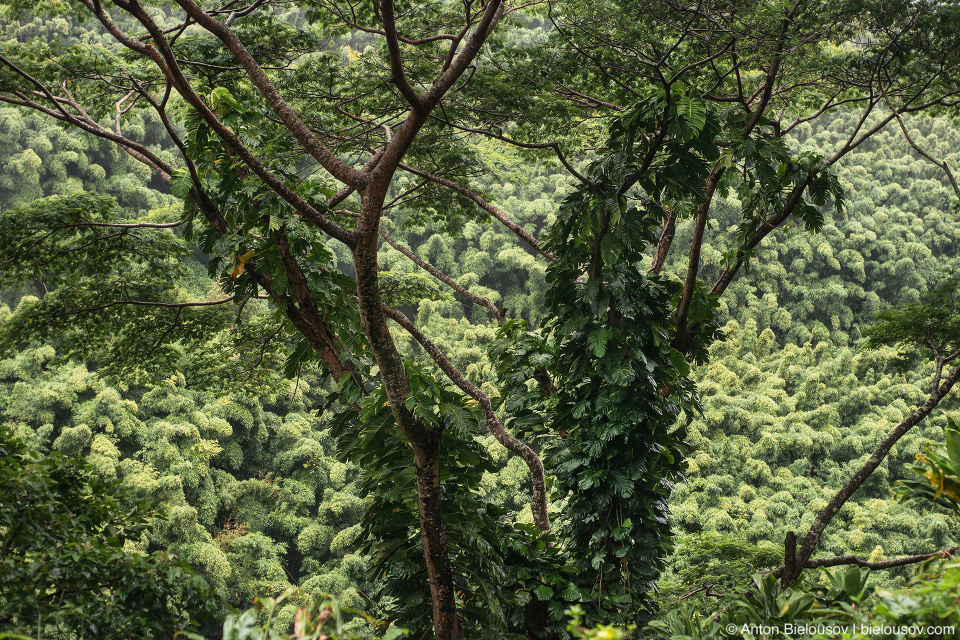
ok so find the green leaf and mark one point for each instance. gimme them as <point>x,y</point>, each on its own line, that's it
<point>694,111</point>
<point>181,183</point>
<point>571,593</point>
<point>543,593</point>
<point>953,445</point>
<point>597,339</point>
<point>395,632</point>
<point>852,583</point>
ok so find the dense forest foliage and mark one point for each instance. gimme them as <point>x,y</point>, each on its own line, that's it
<point>203,398</point>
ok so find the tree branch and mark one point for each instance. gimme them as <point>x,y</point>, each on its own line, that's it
<point>941,164</point>
<point>165,60</point>
<point>538,502</point>
<point>693,260</point>
<point>459,63</point>
<point>142,303</point>
<point>337,167</point>
<point>397,75</point>
<point>826,514</point>
<point>305,316</point>
<point>137,151</point>
<point>439,275</point>
<point>555,146</point>
<point>837,561</point>
<point>664,243</point>
<point>483,204</point>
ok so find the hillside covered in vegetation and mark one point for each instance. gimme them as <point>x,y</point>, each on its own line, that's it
<point>486,321</point>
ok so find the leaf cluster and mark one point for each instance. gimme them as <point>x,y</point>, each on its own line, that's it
<point>507,574</point>
<point>938,469</point>
<point>63,560</point>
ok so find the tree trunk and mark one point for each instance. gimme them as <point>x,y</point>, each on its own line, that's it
<point>424,439</point>
<point>439,572</point>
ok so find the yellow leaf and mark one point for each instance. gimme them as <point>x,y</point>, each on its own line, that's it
<point>936,479</point>
<point>243,260</point>
<point>951,487</point>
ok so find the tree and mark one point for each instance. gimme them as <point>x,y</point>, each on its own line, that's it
<point>287,142</point>
<point>65,570</point>
<point>930,327</point>
<point>277,266</point>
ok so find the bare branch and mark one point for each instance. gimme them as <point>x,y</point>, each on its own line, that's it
<point>823,518</point>
<point>243,12</point>
<point>83,121</point>
<point>447,280</point>
<point>591,99</point>
<point>142,303</point>
<point>133,225</point>
<point>471,48</point>
<point>837,561</point>
<point>483,204</point>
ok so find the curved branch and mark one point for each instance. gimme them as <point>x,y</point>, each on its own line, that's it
<point>941,164</point>
<point>447,280</point>
<point>242,12</point>
<point>773,70</point>
<point>397,75</point>
<point>394,151</point>
<point>165,60</point>
<point>83,121</point>
<point>120,225</point>
<point>538,502</point>
<point>796,196</point>
<point>483,204</point>
<point>327,159</point>
<point>555,146</point>
<point>141,303</point>
<point>771,223</point>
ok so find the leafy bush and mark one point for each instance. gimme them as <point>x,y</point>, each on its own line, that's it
<point>840,605</point>
<point>936,473</point>
<point>325,619</point>
<point>932,603</point>
<point>64,565</point>
<point>321,619</point>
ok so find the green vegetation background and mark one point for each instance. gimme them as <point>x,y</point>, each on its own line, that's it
<point>255,499</point>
